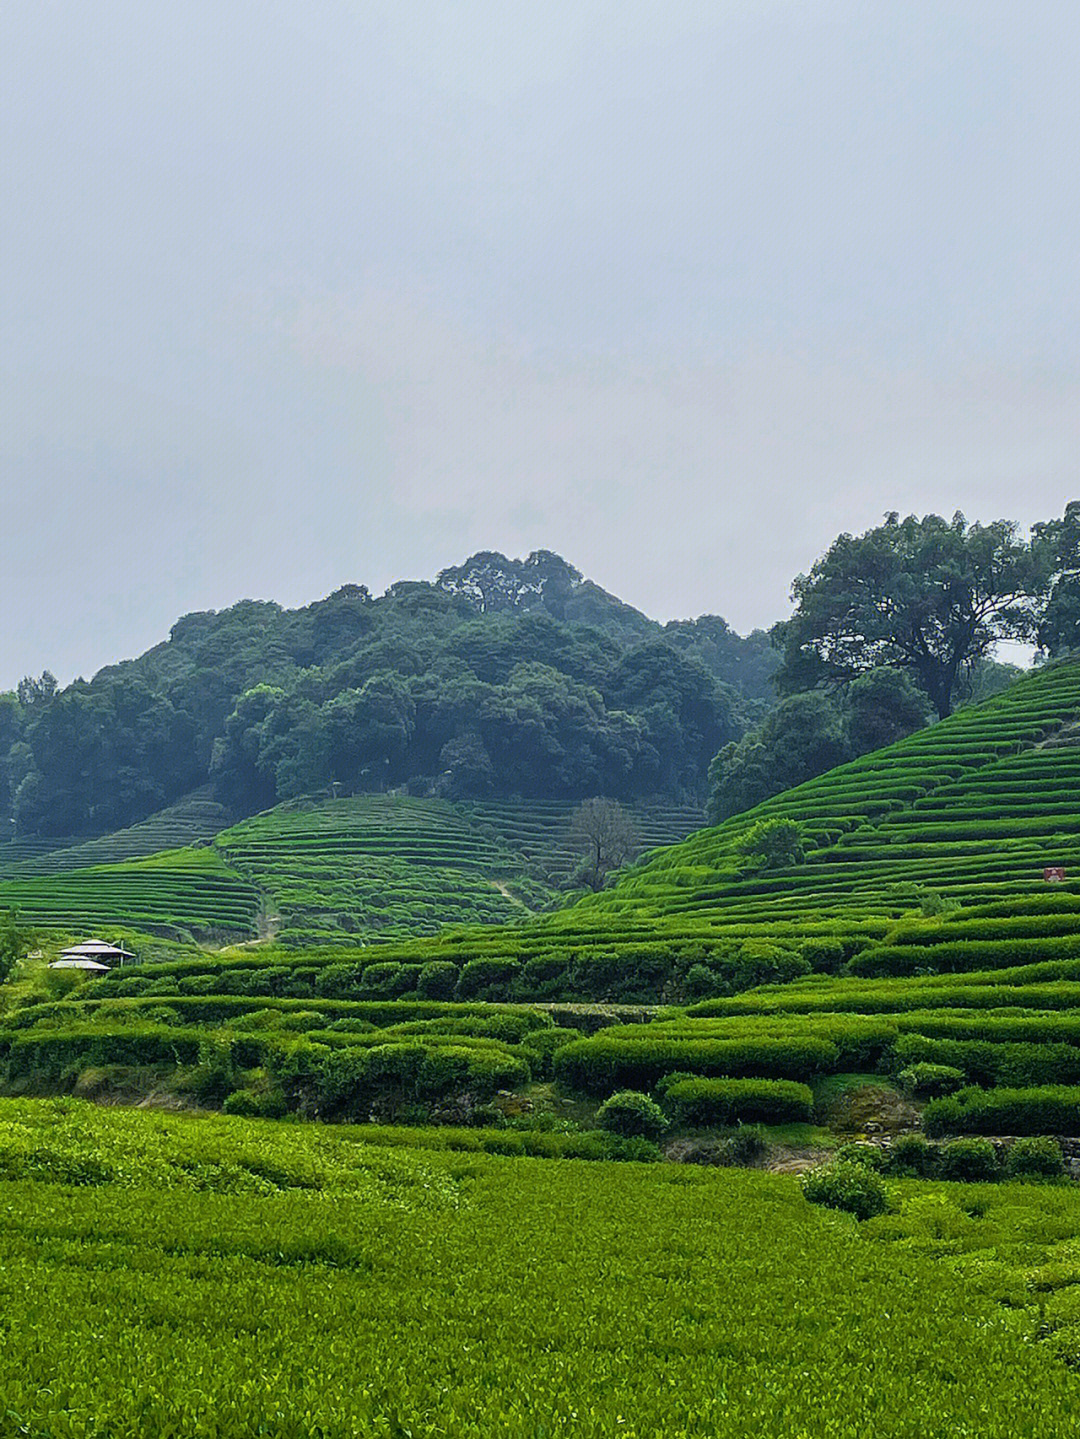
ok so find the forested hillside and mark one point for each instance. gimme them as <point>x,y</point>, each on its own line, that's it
<point>501,678</point>
<point>959,819</point>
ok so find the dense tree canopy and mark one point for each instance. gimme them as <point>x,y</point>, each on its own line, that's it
<point>928,595</point>
<point>503,677</point>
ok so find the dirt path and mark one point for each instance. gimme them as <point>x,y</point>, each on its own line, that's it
<point>502,887</point>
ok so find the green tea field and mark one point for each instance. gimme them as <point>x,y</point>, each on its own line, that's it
<point>331,872</point>
<point>175,1276</point>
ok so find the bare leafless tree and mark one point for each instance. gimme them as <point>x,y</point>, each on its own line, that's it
<point>605,835</point>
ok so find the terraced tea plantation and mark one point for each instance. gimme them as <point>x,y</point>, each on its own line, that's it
<point>539,832</point>
<point>193,820</point>
<point>186,893</point>
<point>338,872</point>
<point>222,1278</point>
<point>959,820</point>
<point>376,865</point>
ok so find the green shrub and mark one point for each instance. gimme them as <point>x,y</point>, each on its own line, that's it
<point>772,843</point>
<point>701,981</point>
<point>386,981</point>
<point>744,1147</point>
<point>851,1187</point>
<point>733,1101</point>
<point>870,1156</point>
<point>541,1046</point>
<point>1035,1157</point>
<point>611,1058</point>
<point>824,956</point>
<point>911,1157</point>
<point>970,1160</point>
<point>995,1059</point>
<point>632,1115</point>
<point>634,1148</point>
<point>487,979</point>
<point>1050,1109</point>
<point>932,1080</point>
<point>255,1104</point>
<point>437,980</point>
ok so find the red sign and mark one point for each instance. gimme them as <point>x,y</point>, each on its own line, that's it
<point>1054,874</point>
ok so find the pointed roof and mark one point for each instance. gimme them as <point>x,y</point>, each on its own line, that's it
<point>96,949</point>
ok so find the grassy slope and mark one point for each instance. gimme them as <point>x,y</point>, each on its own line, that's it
<point>971,809</point>
<point>229,1279</point>
<point>311,872</point>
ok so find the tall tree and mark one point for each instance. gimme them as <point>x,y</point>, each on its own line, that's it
<point>929,595</point>
<point>605,836</point>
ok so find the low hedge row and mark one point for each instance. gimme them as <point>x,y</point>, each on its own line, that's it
<point>958,956</point>
<point>601,1064</point>
<point>338,1081</point>
<point>1049,1109</point>
<point>985,1062</point>
<point>51,1055</point>
<point>738,1101</point>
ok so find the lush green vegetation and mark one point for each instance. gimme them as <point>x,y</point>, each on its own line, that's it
<point>337,872</point>
<point>502,679</point>
<point>185,892</point>
<point>883,930</point>
<point>170,1275</point>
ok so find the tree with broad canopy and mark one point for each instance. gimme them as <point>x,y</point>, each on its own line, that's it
<point>928,595</point>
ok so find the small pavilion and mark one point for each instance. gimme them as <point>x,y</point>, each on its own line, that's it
<point>95,955</point>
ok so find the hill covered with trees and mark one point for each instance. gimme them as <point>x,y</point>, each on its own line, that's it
<point>499,678</point>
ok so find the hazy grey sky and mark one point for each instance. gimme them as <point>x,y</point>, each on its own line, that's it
<point>295,294</point>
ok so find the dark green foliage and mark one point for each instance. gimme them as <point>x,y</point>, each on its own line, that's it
<point>252,1103</point>
<point>1049,1109</point>
<point>854,1188</point>
<point>541,1045</point>
<point>807,734</point>
<point>1035,1157</point>
<point>437,980</point>
<point>994,1060</point>
<point>871,1156</point>
<point>930,1080</point>
<point>487,979</point>
<point>632,1115</point>
<point>772,843</point>
<point>558,690</point>
<point>802,737</point>
<point>15,940</point>
<point>971,1161</point>
<point>721,1102</point>
<point>926,594</point>
<point>911,1157</point>
<point>608,1060</point>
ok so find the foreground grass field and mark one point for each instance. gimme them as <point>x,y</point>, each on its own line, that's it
<point>233,1279</point>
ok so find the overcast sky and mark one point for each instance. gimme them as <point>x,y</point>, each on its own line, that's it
<point>295,294</point>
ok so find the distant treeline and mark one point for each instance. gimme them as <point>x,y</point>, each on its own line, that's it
<point>502,677</point>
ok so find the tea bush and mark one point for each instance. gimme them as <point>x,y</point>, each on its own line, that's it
<point>632,1115</point>
<point>932,1080</point>
<point>910,1156</point>
<point>292,1281</point>
<point>1035,1157</point>
<point>969,1160</point>
<point>701,1102</point>
<point>1051,1109</point>
<point>854,1188</point>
